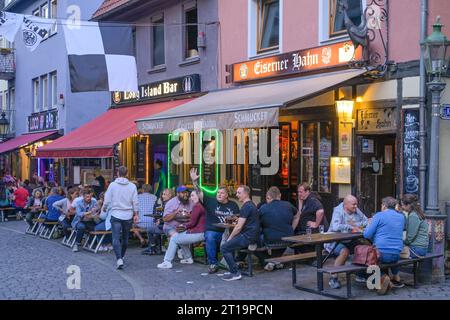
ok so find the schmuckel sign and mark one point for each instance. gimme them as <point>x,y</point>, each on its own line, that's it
<point>157,90</point>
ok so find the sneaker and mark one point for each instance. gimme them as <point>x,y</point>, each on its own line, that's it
<point>75,248</point>
<point>120,264</point>
<point>397,284</point>
<point>165,265</point>
<point>334,283</point>
<point>232,276</point>
<point>180,253</point>
<point>102,249</point>
<point>147,252</point>
<point>187,261</point>
<point>110,247</point>
<point>385,285</point>
<point>279,266</point>
<point>360,279</point>
<point>269,266</point>
<point>213,268</point>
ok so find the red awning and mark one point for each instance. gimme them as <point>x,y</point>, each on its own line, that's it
<point>24,140</point>
<point>96,139</point>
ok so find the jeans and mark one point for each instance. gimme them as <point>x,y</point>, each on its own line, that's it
<point>154,237</point>
<point>119,227</point>
<point>228,248</point>
<point>212,243</point>
<point>29,217</point>
<point>66,224</point>
<point>102,227</point>
<point>183,240</point>
<point>81,227</point>
<point>390,258</point>
<point>415,252</point>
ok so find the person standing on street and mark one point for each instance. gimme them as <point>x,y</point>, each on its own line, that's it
<point>159,183</point>
<point>122,198</point>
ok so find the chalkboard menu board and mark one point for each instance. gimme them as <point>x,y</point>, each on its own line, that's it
<point>141,160</point>
<point>116,159</point>
<point>255,177</point>
<point>411,151</point>
<point>209,170</point>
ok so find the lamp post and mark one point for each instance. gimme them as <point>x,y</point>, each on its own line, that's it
<point>436,63</point>
<point>4,125</point>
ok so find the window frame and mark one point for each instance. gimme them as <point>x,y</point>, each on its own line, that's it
<point>44,84</point>
<point>261,5</point>
<point>36,12</point>
<point>186,33</point>
<point>54,89</point>
<point>332,18</point>
<point>12,99</point>
<point>53,15</point>
<point>36,95</point>
<point>157,20</point>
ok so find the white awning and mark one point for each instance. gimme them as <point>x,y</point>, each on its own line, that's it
<point>253,106</point>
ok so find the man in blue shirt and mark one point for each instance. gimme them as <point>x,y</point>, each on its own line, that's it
<point>386,233</point>
<point>52,213</point>
<point>86,209</point>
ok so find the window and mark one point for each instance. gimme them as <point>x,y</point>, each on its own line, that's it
<point>54,91</point>
<point>36,13</point>
<point>12,99</point>
<point>45,11</point>
<point>191,49</point>
<point>158,52</point>
<point>337,19</point>
<point>268,25</point>
<point>45,93</point>
<point>36,95</point>
<point>54,14</point>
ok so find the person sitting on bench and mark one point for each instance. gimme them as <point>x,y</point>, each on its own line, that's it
<point>346,218</point>
<point>276,217</point>
<point>386,233</point>
<point>312,215</point>
<point>83,220</point>
<point>53,214</point>
<point>34,206</point>
<point>189,233</point>
<point>417,238</point>
<point>64,207</point>
<point>246,232</point>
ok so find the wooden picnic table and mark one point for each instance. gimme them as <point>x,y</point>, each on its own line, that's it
<point>318,239</point>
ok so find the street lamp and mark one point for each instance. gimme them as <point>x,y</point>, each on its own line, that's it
<point>4,125</point>
<point>436,63</point>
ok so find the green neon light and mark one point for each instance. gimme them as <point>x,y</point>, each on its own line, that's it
<point>169,176</point>
<point>205,188</point>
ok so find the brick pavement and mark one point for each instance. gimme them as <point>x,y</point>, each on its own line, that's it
<point>34,268</point>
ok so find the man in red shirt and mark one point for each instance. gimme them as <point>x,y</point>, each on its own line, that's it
<point>21,197</point>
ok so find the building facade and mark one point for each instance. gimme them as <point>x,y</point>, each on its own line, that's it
<point>40,91</point>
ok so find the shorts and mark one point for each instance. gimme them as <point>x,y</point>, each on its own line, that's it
<point>349,245</point>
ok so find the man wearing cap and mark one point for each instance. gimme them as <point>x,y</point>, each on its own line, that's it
<point>175,207</point>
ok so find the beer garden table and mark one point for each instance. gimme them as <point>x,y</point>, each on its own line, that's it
<point>318,239</point>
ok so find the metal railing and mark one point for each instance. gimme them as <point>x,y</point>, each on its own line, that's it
<point>7,64</point>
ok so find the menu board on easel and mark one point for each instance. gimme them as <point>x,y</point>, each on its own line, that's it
<point>411,151</point>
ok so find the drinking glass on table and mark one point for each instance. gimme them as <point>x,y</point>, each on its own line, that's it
<point>322,229</point>
<point>309,232</point>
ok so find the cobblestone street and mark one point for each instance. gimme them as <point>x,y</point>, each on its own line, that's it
<point>33,268</point>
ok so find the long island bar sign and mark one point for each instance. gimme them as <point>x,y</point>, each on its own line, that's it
<point>157,90</point>
<point>334,55</point>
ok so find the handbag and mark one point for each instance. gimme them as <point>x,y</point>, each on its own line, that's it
<point>405,254</point>
<point>366,255</point>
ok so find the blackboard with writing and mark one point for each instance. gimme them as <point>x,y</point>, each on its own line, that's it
<point>141,160</point>
<point>411,151</point>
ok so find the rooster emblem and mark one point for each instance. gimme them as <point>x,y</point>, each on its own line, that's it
<point>358,34</point>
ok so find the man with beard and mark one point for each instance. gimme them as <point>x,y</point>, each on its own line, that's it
<point>217,210</point>
<point>174,211</point>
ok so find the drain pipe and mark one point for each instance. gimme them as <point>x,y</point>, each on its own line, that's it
<point>422,101</point>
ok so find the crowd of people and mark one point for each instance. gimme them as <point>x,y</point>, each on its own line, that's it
<point>192,216</point>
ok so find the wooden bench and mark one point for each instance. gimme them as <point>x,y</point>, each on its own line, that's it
<point>48,228</point>
<point>352,268</point>
<point>4,213</point>
<point>36,227</point>
<point>294,258</point>
<point>69,241</point>
<point>94,240</point>
<point>267,248</point>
